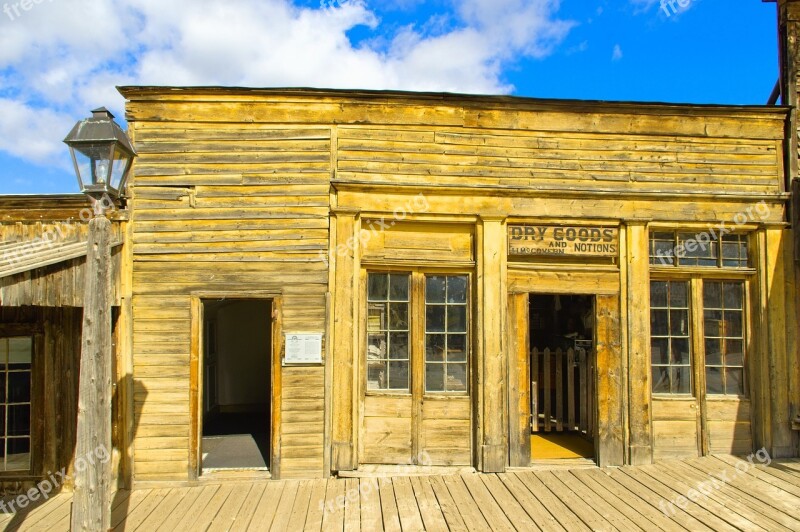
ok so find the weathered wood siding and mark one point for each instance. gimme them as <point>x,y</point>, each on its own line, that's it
<point>224,208</point>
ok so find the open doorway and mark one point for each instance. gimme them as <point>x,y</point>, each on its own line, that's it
<point>237,390</point>
<point>562,363</point>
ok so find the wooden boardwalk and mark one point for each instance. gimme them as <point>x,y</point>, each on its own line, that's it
<point>738,496</point>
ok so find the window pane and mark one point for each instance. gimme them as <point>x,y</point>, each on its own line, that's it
<point>434,318</point>
<point>713,351</point>
<point>398,346</point>
<point>398,316</point>
<point>376,347</point>
<point>679,295</point>
<point>681,380</point>
<point>398,375</point>
<point>659,322</point>
<point>19,387</point>
<point>733,323</point>
<point>376,317</point>
<point>679,322</point>
<point>680,351</point>
<point>376,375</point>
<point>457,289</point>
<point>660,379</point>
<point>18,457</point>
<point>456,377</point>
<point>456,348</point>
<point>658,294</point>
<point>734,381</point>
<point>398,287</point>
<point>713,323</point>
<point>457,319</point>
<point>660,350</point>
<point>435,289</point>
<point>19,420</point>
<point>378,286</point>
<point>20,350</point>
<point>434,377</point>
<point>714,380</point>
<point>434,347</point>
<point>712,295</point>
<point>733,295</point>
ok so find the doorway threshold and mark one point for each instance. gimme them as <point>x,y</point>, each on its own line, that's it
<point>243,473</point>
<point>558,464</point>
<point>384,471</point>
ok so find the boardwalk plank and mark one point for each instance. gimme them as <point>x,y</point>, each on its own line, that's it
<point>296,520</point>
<point>370,499</point>
<point>226,516</point>
<point>50,521</point>
<point>283,512</point>
<point>352,505</point>
<point>448,505</point>
<point>333,519</point>
<point>264,513</point>
<point>516,514</point>
<point>486,503</point>
<point>686,520</point>
<point>792,465</point>
<point>558,509</point>
<point>629,504</point>
<point>466,505</point>
<point>535,509</point>
<point>580,507</point>
<point>391,516</point>
<point>203,502</point>
<point>781,480</point>
<point>752,509</point>
<point>759,489</point>
<point>158,514</point>
<point>16,520</point>
<point>407,508</point>
<point>127,506</point>
<point>429,508</point>
<point>687,488</point>
<point>670,494</point>
<point>595,501</point>
<point>207,514</point>
<point>247,510</point>
<point>316,506</point>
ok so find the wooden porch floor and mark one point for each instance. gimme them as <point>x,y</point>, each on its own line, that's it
<point>739,497</point>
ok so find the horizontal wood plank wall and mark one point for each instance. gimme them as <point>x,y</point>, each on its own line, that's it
<point>225,208</point>
<point>675,428</point>
<point>728,425</point>
<point>56,285</point>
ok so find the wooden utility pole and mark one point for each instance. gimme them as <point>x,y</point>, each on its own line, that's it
<point>91,506</point>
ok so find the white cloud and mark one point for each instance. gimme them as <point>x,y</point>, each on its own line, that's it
<point>616,55</point>
<point>64,57</point>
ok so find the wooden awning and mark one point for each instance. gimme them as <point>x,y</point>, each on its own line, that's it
<point>23,256</point>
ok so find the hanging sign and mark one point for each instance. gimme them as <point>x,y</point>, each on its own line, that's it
<point>303,348</point>
<point>574,241</point>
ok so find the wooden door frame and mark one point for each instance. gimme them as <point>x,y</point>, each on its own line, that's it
<point>196,374</point>
<point>608,447</point>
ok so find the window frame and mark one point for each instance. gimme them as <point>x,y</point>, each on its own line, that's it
<point>656,261</point>
<point>36,427</point>
<point>417,331</point>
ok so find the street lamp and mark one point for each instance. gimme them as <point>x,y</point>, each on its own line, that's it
<point>102,154</point>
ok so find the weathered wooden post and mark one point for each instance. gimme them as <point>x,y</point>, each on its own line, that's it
<point>102,154</point>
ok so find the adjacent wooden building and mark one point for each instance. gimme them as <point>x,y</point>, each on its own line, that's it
<point>326,281</point>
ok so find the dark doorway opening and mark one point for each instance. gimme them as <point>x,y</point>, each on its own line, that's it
<point>562,340</point>
<point>237,389</point>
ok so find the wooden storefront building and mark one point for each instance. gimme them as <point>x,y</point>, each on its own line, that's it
<point>326,281</point>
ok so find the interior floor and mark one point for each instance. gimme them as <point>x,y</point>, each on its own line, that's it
<point>560,445</point>
<point>236,441</point>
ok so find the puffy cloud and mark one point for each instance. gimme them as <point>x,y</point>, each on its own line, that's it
<point>63,57</point>
<point>616,55</point>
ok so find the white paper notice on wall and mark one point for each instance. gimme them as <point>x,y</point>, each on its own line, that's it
<point>303,348</point>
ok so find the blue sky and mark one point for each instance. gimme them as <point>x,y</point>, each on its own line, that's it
<point>57,62</point>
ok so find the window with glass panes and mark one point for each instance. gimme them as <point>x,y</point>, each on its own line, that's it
<point>723,315</point>
<point>15,403</point>
<point>670,337</point>
<point>388,333</point>
<point>719,322</point>
<point>446,333</point>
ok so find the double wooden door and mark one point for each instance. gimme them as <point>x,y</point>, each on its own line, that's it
<point>416,369</point>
